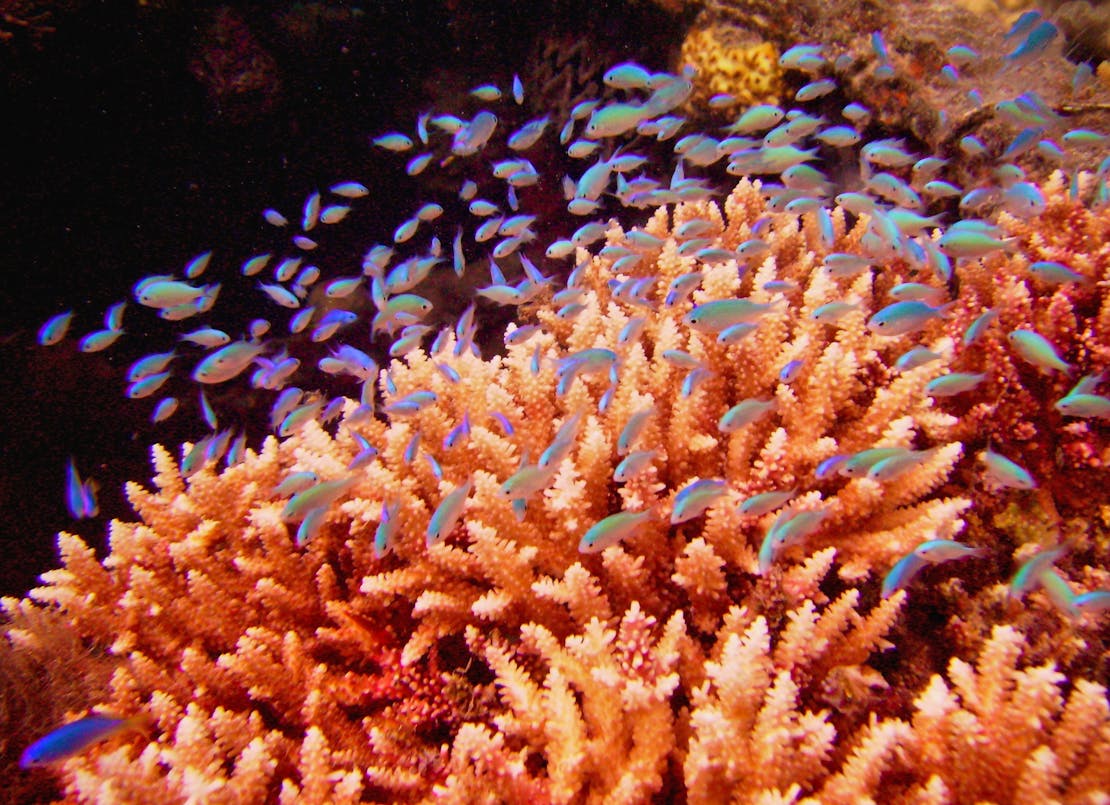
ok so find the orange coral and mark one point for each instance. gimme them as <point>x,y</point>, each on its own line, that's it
<point>500,663</point>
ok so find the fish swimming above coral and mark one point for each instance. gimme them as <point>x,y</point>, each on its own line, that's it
<point>652,539</point>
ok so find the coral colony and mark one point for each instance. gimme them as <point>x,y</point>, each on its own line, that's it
<point>759,461</point>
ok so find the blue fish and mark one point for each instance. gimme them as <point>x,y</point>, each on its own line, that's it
<point>77,736</point>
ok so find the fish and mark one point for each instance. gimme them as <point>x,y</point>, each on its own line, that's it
<point>765,502</point>
<point>903,317</point>
<point>227,363</point>
<point>1037,350</point>
<point>80,495</point>
<point>633,464</point>
<point>393,141</point>
<point>693,499</point>
<point>1028,575</point>
<point>746,412</point>
<point>716,315</point>
<point>902,574</point>
<point>612,530</point>
<point>789,528</point>
<point>75,737</point>
<point>953,383</point>
<point>321,495</point>
<point>55,328</point>
<point>633,428</point>
<point>1006,473</point>
<point>1084,405</point>
<point>385,535</point>
<point>447,514</point>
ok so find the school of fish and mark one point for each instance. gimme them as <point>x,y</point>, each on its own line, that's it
<point>378,308</point>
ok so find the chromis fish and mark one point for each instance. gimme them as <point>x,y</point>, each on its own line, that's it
<point>1038,350</point>
<point>1006,473</point>
<point>719,314</point>
<point>789,528</point>
<point>930,552</point>
<point>693,499</point>
<point>954,383</point>
<point>907,316</point>
<point>80,495</point>
<point>320,495</point>
<point>55,329</point>
<point>764,502</point>
<point>447,514</point>
<point>227,362</point>
<point>611,530</point>
<point>75,737</point>
<point>633,464</point>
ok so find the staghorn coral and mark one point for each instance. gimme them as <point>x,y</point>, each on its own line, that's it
<point>500,664</point>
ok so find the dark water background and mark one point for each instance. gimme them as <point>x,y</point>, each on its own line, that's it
<point>117,163</point>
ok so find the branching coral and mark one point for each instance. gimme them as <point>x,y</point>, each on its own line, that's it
<point>501,664</point>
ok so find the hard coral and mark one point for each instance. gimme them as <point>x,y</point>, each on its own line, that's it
<point>500,663</point>
<point>731,60</point>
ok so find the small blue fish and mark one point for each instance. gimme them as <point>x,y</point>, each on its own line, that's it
<point>905,317</point>
<point>611,530</point>
<point>789,528</point>
<point>633,464</point>
<point>744,413</point>
<point>1006,473</point>
<point>902,574</point>
<point>447,514</point>
<point>227,363</point>
<point>55,328</point>
<point>320,496</point>
<point>80,495</point>
<point>1056,273</point>
<point>393,142</point>
<point>694,498</point>
<point>815,89</point>
<point>1038,350</point>
<point>954,383</point>
<point>1033,46</point>
<point>77,736</point>
<point>765,502</point>
<point>1084,405</point>
<point>915,357</point>
<point>632,429</point>
<point>1028,576</point>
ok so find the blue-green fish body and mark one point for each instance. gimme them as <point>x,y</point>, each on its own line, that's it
<point>321,495</point>
<point>720,314</point>
<point>1004,472</point>
<point>907,316</point>
<point>611,530</point>
<point>1038,350</point>
<point>935,551</point>
<point>227,363</point>
<point>954,383</point>
<point>1084,405</point>
<point>55,328</point>
<point>744,413</point>
<point>1027,577</point>
<point>77,736</point>
<point>633,464</point>
<point>447,514</point>
<point>692,500</point>
<point>902,573</point>
<point>764,502</point>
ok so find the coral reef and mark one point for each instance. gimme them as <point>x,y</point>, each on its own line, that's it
<point>730,60</point>
<point>398,655</point>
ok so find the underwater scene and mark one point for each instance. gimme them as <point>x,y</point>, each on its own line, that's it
<point>659,401</point>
